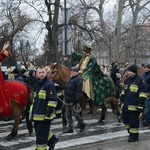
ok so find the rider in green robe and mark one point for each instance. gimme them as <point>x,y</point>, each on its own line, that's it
<point>96,85</point>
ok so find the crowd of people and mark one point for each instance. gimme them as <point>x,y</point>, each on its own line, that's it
<point>131,90</point>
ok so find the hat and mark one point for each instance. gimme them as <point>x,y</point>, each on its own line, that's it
<point>147,66</point>
<point>86,48</point>
<point>133,68</point>
<point>23,71</point>
<point>16,71</point>
<point>75,69</point>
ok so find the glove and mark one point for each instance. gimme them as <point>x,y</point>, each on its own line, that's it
<point>48,113</point>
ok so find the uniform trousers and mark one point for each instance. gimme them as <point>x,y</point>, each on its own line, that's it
<point>43,134</point>
<point>131,121</point>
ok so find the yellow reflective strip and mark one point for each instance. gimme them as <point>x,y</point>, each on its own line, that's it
<point>59,94</point>
<point>41,147</point>
<point>122,105</point>
<point>127,126</point>
<point>42,94</point>
<point>133,88</point>
<point>52,103</point>
<point>132,108</point>
<point>142,94</point>
<point>140,107</point>
<point>52,116</point>
<point>38,117</point>
<point>58,111</point>
<point>50,136</point>
<point>122,93</point>
<point>134,130</point>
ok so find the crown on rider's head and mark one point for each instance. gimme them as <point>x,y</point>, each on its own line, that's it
<point>86,48</point>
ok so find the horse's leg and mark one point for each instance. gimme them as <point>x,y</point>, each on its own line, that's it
<point>17,115</point>
<point>26,114</point>
<point>102,118</point>
<point>64,120</point>
<point>116,107</point>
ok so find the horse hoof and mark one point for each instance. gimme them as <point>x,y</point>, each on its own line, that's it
<point>119,119</point>
<point>9,138</point>
<point>101,121</point>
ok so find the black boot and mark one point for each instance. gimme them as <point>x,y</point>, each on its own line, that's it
<point>68,131</point>
<point>83,125</point>
<point>53,145</point>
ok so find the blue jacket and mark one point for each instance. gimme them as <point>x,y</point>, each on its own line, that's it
<point>44,96</point>
<point>134,93</point>
<point>146,78</point>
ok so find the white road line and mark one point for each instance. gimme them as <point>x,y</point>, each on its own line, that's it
<point>89,139</point>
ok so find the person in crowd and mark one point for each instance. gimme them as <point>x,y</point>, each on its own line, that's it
<point>116,76</point>
<point>45,101</point>
<point>133,97</point>
<point>8,72</point>
<point>146,78</point>
<point>24,74</point>
<point>73,93</point>
<point>32,79</point>
<point>17,74</point>
<point>65,61</point>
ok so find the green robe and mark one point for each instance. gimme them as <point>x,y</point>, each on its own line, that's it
<point>102,85</point>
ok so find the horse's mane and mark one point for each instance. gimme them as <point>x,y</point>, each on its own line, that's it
<point>62,71</point>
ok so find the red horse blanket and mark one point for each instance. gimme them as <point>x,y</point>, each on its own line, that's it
<point>11,89</point>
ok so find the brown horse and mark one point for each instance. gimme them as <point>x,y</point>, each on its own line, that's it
<point>18,99</point>
<point>62,74</point>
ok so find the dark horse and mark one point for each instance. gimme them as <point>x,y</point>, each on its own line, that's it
<point>17,102</point>
<point>62,74</point>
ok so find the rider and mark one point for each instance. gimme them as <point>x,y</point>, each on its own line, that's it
<point>94,82</point>
<point>5,52</point>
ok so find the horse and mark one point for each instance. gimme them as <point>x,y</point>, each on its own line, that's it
<point>62,74</point>
<point>17,101</point>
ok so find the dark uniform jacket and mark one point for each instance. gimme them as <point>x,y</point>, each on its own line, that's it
<point>134,93</point>
<point>146,77</point>
<point>73,89</point>
<point>45,97</point>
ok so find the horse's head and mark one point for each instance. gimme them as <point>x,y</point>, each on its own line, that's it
<point>59,73</point>
<point>54,74</point>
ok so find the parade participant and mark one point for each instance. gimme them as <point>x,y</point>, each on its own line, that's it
<point>94,82</point>
<point>146,78</point>
<point>73,92</point>
<point>5,52</point>
<point>133,96</point>
<point>45,97</point>
<point>32,80</point>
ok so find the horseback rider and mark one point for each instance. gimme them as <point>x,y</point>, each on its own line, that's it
<point>94,82</point>
<point>5,52</point>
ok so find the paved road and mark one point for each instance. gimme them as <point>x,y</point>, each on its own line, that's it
<point>108,136</point>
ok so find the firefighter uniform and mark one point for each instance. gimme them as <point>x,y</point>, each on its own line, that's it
<point>58,109</point>
<point>45,101</point>
<point>133,96</point>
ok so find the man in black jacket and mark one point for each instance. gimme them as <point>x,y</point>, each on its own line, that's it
<point>73,92</point>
